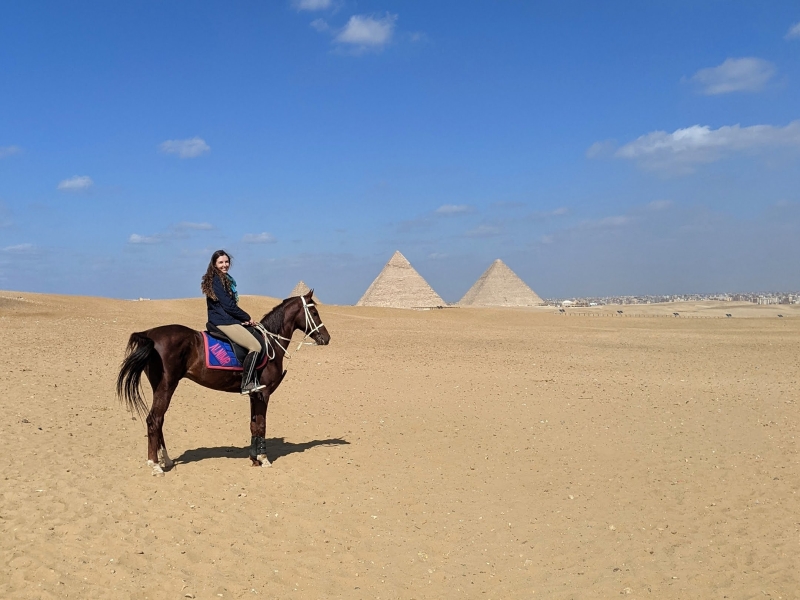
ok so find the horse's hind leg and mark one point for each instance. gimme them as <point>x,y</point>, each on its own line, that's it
<point>258,429</point>
<point>162,394</point>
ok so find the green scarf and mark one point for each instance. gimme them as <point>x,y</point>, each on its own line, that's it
<point>233,288</point>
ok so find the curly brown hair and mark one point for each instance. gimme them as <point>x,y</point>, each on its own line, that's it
<point>207,283</point>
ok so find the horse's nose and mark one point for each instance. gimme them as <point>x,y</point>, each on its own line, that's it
<point>322,337</point>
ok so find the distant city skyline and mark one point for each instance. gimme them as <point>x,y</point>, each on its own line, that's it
<point>791,297</point>
<point>598,149</point>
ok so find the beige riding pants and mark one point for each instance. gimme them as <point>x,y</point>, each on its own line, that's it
<point>241,336</point>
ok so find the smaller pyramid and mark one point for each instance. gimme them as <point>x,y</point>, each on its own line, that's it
<point>500,286</point>
<point>301,289</point>
<point>399,285</point>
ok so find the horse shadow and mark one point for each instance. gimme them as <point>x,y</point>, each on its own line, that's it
<point>276,448</point>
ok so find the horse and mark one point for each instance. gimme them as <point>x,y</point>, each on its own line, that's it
<point>170,353</point>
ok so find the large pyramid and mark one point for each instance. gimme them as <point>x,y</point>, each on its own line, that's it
<point>500,286</point>
<point>400,286</point>
<point>301,289</point>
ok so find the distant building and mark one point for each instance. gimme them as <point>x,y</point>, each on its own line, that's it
<point>301,289</point>
<point>399,285</point>
<point>500,286</point>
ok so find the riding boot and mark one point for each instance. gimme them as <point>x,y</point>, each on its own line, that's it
<point>250,382</point>
<point>248,367</point>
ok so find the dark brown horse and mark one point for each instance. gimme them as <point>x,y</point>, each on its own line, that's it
<point>169,353</point>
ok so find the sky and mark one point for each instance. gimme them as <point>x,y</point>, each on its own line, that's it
<point>598,148</point>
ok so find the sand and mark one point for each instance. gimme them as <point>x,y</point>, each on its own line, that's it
<point>475,453</point>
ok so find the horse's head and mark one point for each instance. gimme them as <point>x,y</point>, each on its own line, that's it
<point>309,321</point>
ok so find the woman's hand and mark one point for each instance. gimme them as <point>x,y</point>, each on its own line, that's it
<point>249,323</point>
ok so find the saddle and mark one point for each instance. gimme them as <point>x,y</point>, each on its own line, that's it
<point>240,352</point>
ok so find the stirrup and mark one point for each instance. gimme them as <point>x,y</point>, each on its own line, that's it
<point>251,387</point>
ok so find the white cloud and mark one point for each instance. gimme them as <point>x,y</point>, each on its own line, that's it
<point>589,228</point>
<point>6,151</point>
<point>191,148</point>
<point>682,149</point>
<point>320,25</point>
<point>483,231</point>
<point>453,209</point>
<point>78,183</point>
<point>368,32</point>
<point>20,249</point>
<point>135,238</point>
<point>180,231</point>
<point>194,226</point>
<point>311,5</point>
<point>606,222</point>
<point>794,32</point>
<point>735,75</point>
<point>258,238</point>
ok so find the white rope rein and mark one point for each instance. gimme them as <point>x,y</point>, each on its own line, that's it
<point>269,337</point>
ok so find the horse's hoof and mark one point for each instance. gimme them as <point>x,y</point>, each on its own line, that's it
<point>264,460</point>
<point>157,470</point>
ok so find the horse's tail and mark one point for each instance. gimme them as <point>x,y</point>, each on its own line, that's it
<point>137,357</point>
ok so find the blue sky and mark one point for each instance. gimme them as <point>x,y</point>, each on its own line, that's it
<point>596,147</point>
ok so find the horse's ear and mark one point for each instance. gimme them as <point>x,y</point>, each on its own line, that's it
<point>310,295</point>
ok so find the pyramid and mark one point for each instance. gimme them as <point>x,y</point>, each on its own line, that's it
<point>301,289</point>
<point>500,286</point>
<point>400,286</point>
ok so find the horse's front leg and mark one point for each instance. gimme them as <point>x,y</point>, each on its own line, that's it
<point>258,429</point>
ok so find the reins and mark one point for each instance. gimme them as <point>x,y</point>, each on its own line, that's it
<point>269,337</point>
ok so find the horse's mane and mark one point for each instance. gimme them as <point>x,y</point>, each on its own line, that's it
<point>273,320</point>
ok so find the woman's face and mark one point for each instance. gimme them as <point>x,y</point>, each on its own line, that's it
<point>223,264</point>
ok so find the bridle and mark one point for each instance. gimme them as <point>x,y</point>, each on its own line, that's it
<point>269,337</point>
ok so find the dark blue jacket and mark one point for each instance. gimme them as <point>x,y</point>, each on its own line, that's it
<point>224,310</point>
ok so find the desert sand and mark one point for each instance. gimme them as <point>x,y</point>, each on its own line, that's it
<point>457,453</point>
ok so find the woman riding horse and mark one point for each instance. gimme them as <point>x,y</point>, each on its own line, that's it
<point>224,313</point>
<point>170,353</point>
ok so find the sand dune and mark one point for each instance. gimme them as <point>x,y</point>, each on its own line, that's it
<point>475,453</point>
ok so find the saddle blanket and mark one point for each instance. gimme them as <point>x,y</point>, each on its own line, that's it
<point>220,355</point>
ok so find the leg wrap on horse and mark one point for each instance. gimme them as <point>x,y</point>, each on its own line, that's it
<point>254,446</point>
<point>258,445</point>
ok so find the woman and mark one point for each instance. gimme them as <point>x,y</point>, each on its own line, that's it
<point>224,312</point>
